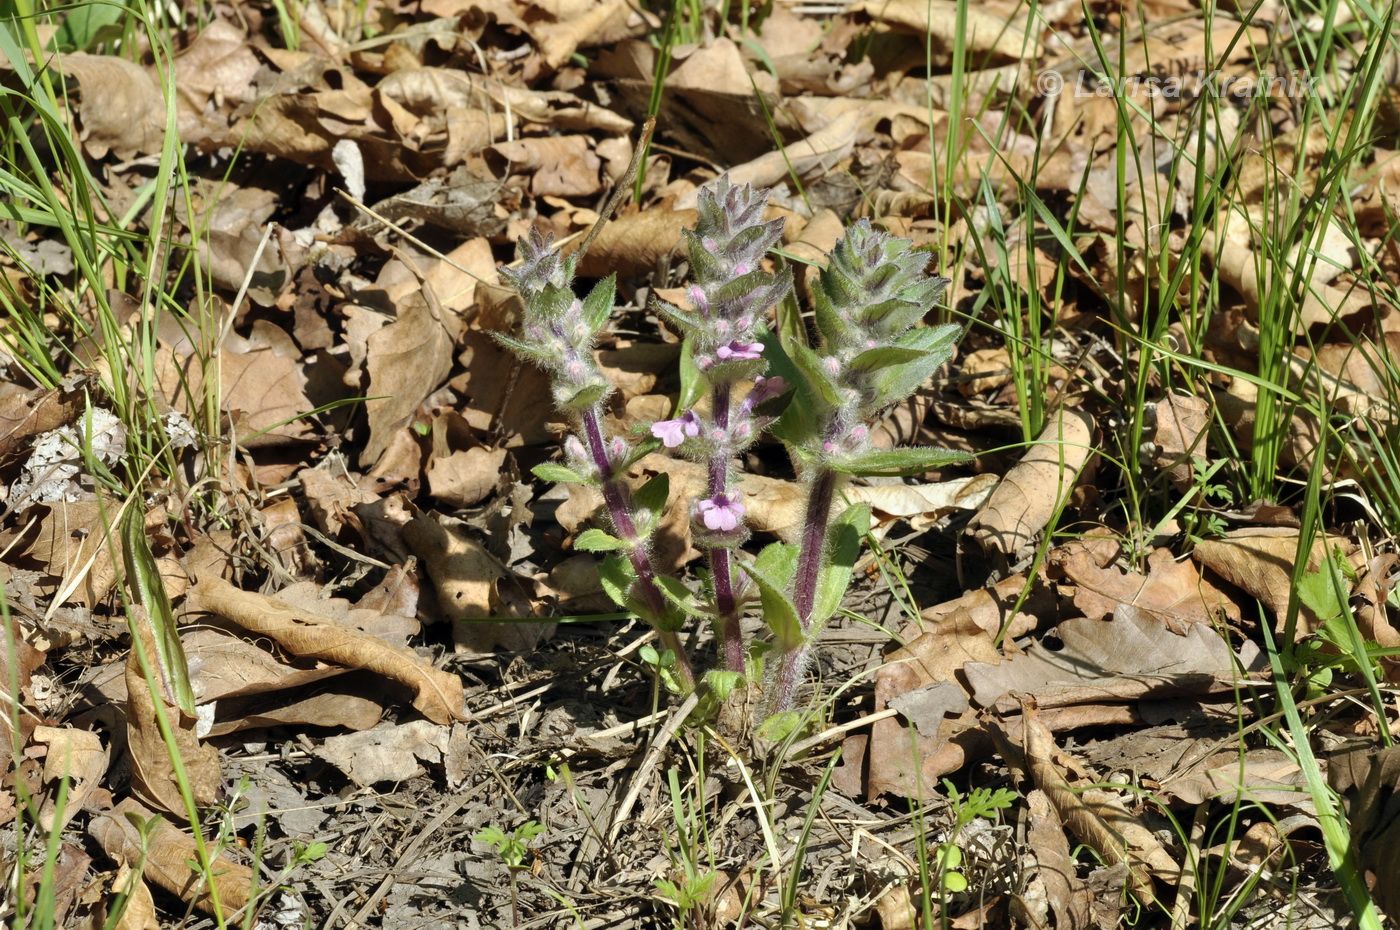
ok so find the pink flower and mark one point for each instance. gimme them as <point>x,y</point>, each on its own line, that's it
<point>674,432</point>
<point>720,513</point>
<point>740,351</point>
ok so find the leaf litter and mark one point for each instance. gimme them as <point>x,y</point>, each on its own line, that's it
<point>375,600</point>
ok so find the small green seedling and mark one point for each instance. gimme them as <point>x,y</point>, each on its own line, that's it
<point>977,803</point>
<point>512,848</point>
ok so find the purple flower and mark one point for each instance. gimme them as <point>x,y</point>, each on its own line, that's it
<point>674,432</point>
<point>740,351</point>
<point>721,513</point>
<point>763,389</point>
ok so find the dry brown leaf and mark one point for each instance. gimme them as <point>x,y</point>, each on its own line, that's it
<point>635,243</point>
<point>818,153</point>
<point>1368,780</point>
<point>990,27</point>
<point>1181,424</point>
<point>407,360</point>
<point>1095,817</point>
<point>466,576</point>
<point>438,694</point>
<point>139,909</point>
<point>122,108</point>
<point>1260,562</point>
<point>560,166</point>
<point>153,775</point>
<point>1127,658</point>
<point>26,414</point>
<point>77,756</point>
<point>167,859</point>
<point>465,478</point>
<point>1172,592</point>
<point>331,496</point>
<point>69,544</point>
<point>1031,492</point>
<point>1067,896</point>
<point>217,68</point>
<point>391,752</point>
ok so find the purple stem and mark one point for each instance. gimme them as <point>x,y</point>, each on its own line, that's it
<point>810,559</point>
<point>731,635</point>
<point>618,499</point>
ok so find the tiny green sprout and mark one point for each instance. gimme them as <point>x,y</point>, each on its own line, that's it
<point>685,897</point>
<point>512,846</point>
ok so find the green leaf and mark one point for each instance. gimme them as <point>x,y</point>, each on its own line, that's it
<point>692,379</point>
<point>843,549</point>
<point>586,397</point>
<point>598,305</point>
<point>595,540</point>
<point>491,836</point>
<point>812,375</point>
<point>722,682</point>
<point>907,460</point>
<point>894,382</point>
<point>772,572</point>
<point>652,496</point>
<point>780,726</point>
<point>549,471</point>
<point>616,576</point>
<point>523,349</point>
<point>148,590</point>
<point>678,594</point>
<point>955,882</point>
<point>885,357</point>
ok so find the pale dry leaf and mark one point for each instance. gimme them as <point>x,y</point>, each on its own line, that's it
<point>1367,780</point>
<point>1031,492</point>
<point>990,27</point>
<point>388,753</point>
<point>1181,424</point>
<point>122,108</point>
<point>1127,658</point>
<point>139,908</point>
<point>262,385</point>
<point>438,695</point>
<point>816,154</point>
<point>331,496</point>
<point>77,757</point>
<point>168,858</point>
<point>634,243</point>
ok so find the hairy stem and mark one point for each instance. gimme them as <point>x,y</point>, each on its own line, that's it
<point>617,497</point>
<point>810,560</point>
<point>731,635</point>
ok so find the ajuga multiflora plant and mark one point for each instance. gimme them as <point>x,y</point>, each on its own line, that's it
<point>872,351</point>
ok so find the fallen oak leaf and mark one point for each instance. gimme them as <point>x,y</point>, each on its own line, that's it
<point>1172,592</point>
<point>438,695</point>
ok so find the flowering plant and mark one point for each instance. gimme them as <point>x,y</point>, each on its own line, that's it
<point>872,352</point>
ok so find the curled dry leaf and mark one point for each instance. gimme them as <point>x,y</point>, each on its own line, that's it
<point>438,695</point>
<point>77,756</point>
<point>168,859</point>
<point>1172,592</point>
<point>139,908</point>
<point>818,153</point>
<point>1067,896</point>
<point>1031,492</point>
<point>153,775</point>
<point>1095,817</point>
